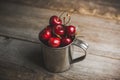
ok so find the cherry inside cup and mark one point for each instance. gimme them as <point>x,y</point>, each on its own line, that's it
<point>57,34</point>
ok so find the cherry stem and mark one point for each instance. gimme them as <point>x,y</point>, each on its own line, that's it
<point>69,19</point>
<point>64,19</point>
<point>56,34</point>
<point>62,14</point>
<point>79,36</point>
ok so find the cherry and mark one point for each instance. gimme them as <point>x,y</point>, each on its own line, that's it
<point>59,30</point>
<point>56,34</point>
<point>70,30</point>
<point>54,42</point>
<point>45,34</point>
<point>66,41</point>
<point>49,27</point>
<point>55,20</point>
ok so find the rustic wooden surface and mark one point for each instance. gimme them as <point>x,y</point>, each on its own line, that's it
<point>20,55</point>
<point>102,8</point>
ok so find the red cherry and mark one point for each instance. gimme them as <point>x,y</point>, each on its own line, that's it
<point>45,34</point>
<point>70,30</point>
<point>49,27</point>
<point>54,42</point>
<point>55,20</point>
<point>59,30</point>
<point>66,41</point>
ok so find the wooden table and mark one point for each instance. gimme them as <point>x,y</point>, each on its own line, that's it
<point>20,57</point>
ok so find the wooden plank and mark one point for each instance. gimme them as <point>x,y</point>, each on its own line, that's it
<point>108,9</point>
<point>22,60</point>
<point>25,22</point>
<point>94,68</point>
<point>10,71</point>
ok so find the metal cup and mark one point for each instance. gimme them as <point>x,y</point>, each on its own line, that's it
<point>60,59</point>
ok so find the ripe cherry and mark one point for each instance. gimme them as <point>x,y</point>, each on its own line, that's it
<point>54,42</point>
<point>66,41</point>
<point>59,30</point>
<point>70,30</point>
<point>55,20</point>
<point>45,34</point>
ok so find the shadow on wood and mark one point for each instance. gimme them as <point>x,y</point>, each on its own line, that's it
<point>35,56</point>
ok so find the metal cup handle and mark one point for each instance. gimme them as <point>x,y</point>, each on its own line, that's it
<point>83,46</point>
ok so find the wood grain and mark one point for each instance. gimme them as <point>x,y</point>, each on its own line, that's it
<point>103,8</point>
<point>22,60</point>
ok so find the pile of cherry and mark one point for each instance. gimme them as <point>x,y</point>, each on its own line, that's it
<point>57,34</point>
